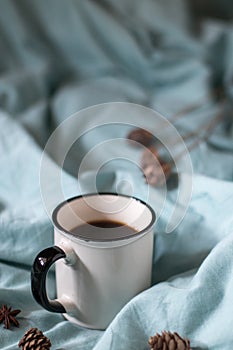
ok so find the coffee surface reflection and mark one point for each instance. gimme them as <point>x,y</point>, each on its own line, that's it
<point>102,229</point>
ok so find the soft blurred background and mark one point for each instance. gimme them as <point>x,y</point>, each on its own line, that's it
<point>58,57</point>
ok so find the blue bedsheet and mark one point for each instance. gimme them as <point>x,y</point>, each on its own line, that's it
<point>58,57</point>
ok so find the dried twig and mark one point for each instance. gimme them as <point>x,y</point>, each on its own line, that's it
<point>208,130</point>
<point>156,170</point>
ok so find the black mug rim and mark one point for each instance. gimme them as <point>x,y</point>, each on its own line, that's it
<point>139,233</point>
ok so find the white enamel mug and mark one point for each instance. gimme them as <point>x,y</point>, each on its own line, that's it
<point>96,275</point>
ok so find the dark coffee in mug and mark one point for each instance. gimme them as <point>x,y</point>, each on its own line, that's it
<point>103,229</point>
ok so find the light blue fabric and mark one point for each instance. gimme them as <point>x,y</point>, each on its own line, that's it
<point>58,57</point>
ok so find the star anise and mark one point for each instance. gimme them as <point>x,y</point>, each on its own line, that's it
<point>8,316</point>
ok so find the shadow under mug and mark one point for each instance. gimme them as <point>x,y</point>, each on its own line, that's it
<point>96,276</point>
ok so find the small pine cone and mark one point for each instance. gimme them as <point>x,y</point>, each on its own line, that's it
<point>34,339</point>
<point>157,173</point>
<point>156,170</point>
<point>149,156</point>
<point>141,137</point>
<point>168,341</point>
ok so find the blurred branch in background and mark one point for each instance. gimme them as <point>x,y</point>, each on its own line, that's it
<point>212,8</point>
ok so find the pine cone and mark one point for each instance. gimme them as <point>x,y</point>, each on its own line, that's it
<point>34,339</point>
<point>141,137</point>
<point>155,169</point>
<point>169,341</point>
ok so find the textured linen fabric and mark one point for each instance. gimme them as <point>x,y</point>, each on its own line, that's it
<point>58,57</point>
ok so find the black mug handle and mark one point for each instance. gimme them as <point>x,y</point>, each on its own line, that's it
<point>44,260</point>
